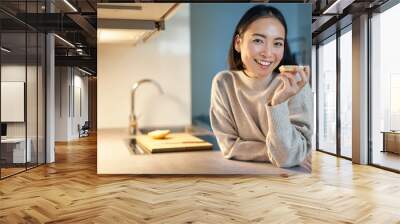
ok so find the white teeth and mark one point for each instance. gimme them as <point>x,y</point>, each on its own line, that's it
<point>263,62</point>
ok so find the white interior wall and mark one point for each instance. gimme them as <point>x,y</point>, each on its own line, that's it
<point>67,115</point>
<point>62,82</point>
<point>80,110</point>
<point>82,83</point>
<point>164,58</point>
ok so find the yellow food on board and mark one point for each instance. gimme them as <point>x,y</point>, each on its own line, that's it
<point>290,68</point>
<point>159,134</point>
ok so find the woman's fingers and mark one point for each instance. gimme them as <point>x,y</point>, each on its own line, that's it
<point>307,69</point>
<point>293,86</point>
<point>290,86</point>
<point>292,80</point>
<point>285,80</point>
<point>303,79</point>
<point>305,75</point>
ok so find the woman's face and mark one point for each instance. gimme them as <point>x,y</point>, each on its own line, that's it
<point>261,47</point>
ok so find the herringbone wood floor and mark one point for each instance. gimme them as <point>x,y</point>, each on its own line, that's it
<point>69,191</point>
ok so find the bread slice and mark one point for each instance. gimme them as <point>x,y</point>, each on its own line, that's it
<point>159,134</point>
<point>291,68</point>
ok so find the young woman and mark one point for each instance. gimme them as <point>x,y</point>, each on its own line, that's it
<point>258,113</point>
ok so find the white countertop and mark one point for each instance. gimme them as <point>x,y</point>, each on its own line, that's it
<point>115,156</point>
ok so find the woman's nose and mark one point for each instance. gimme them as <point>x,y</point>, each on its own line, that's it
<point>267,51</point>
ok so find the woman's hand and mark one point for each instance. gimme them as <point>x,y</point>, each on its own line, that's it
<point>290,86</point>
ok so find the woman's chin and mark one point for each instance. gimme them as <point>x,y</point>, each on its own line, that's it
<point>261,75</point>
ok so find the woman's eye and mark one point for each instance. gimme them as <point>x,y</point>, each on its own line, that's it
<point>258,41</point>
<point>278,44</point>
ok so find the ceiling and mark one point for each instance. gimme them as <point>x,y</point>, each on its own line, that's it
<point>131,22</point>
<point>148,11</point>
<point>72,20</point>
<point>329,16</point>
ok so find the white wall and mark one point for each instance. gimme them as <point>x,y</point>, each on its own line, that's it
<point>61,103</point>
<point>165,58</point>
<point>79,117</point>
<point>67,116</point>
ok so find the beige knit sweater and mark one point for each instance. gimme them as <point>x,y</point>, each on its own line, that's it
<point>247,128</point>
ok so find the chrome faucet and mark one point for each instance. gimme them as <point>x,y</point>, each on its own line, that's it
<point>133,125</point>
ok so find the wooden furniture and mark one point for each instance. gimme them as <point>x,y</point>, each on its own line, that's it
<point>391,141</point>
<point>175,142</point>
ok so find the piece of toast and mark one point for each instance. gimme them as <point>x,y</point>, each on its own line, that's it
<point>159,134</point>
<point>290,68</point>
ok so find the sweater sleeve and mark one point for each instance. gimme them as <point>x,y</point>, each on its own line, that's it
<point>290,130</point>
<point>225,130</point>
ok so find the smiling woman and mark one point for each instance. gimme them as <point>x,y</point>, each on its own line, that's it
<point>258,113</point>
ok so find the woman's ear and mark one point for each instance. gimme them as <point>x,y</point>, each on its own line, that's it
<point>237,43</point>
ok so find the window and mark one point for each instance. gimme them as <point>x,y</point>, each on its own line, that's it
<point>327,96</point>
<point>346,92</point>
<point>385,88</point>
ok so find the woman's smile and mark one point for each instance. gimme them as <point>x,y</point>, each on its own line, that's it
<point>264,64</point>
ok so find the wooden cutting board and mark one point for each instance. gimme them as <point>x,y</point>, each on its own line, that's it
<point>175,142</point>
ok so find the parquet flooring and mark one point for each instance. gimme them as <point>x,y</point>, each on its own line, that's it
<point>70,191</point>
<point>10,171</point>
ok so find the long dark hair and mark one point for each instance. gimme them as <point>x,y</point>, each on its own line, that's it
<point>254,13</point>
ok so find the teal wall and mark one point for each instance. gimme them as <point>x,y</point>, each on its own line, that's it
<point>212,26</point>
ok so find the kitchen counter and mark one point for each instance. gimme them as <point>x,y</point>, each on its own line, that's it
<point>117,155</point>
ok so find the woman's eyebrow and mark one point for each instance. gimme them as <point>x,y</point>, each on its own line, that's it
<point>259,34</point>
<point>264,36</point>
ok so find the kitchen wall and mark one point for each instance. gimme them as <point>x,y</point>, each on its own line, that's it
<point>183,59</point>
<point>212,27</point>
<point>71,102</point>
<point>164,58</point>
